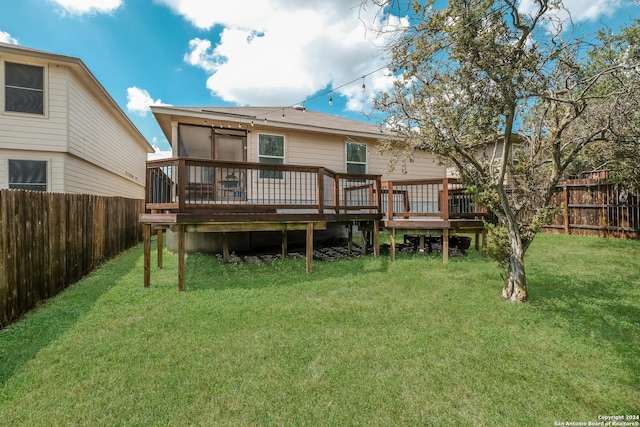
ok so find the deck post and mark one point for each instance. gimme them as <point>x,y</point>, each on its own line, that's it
<point>477,242</point>
<point>225,247</point>
<point>320,195</point>
<point>389,200</point>
<point>285,249</point>
<point>159,233</point>
<point>484,241</point>
<point>364,240</point>
<point>309,248</point>
<point>445,245</point>
<point>182,184</point>
<point>376,238</point>
<point>350,237</point>
<point>181,255</point>
<point>421,244</point>
<point>392,241</point>
<point>444,208</point>
<point>146,237</point>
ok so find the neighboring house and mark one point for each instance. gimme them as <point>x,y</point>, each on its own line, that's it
<point>492,152</point>
<point>60,131</point>
<point>290,135</point>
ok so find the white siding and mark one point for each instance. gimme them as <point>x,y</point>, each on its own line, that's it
<point>98,138</point>
<point>319,150</point>
<point>423,166</point>
<point>21,131</point>
<point>85,178</point>
<point>55,167</point>
<point>329,151</point>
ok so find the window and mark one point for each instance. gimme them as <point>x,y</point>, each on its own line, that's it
<point>356,157</point>
<point>271,150</point>
<point>194,141</point>
<point>516,153</point>
<point>28,175</point>
<point>24,88</point>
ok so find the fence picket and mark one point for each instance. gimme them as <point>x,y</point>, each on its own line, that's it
<point>51,240</point>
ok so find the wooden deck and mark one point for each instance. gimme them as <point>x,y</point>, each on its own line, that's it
<point>199,195</point>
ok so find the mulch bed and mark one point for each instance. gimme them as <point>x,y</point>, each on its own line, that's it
<point>329,252</point>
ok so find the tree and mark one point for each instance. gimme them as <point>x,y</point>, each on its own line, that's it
<point>620,157</point>
<point>498,92</point>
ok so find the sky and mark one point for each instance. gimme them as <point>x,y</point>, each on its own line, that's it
<point>233,52</point>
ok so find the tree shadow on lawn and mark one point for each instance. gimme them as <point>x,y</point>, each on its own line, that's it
<point>23,339</point>
<point>598,311</point>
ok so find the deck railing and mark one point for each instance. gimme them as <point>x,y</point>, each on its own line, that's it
<point>189,185</point>
<point>441,199</point>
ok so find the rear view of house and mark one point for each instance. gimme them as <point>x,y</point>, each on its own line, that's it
<point>229,151</point>
<point>284,135</point>
<point>60,131</point>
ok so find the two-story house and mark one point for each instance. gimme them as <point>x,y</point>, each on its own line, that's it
<point>61,131</point>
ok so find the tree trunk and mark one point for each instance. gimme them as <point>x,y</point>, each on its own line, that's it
<point>515,284</point>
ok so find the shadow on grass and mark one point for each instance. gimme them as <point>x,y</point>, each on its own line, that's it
<point>22,340</point>
<point>597,310</point>
<point>208,272</point>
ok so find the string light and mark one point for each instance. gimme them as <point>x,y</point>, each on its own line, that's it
<point>329,92</point>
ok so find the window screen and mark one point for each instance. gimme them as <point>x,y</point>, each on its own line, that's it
<point>356,158</point>
<point>28,175</point>
<point>271,150</point>
<point>24,88</point>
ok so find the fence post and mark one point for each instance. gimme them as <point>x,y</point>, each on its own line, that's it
<point>567,228</point>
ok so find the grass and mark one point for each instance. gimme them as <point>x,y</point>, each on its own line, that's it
<point>359,342</point>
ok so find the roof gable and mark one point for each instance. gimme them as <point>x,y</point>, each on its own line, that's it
<point>83,72</point>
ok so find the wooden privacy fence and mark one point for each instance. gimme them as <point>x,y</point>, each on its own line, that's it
<point>50,240</point>
<point>594,207</point>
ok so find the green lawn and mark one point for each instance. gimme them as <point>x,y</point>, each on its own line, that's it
<point>359,342</point>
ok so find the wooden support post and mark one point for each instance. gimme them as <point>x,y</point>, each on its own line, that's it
<point>309,252</point>
<point>350,237</point>
<point>477,241</point>
<point>421,244</point>
<point>364,241</point>
<point>444,205</point>
<point>567,223</point>
<point>376,238</point>
<point>285,249</point>
<point>484,241</point>
<point>159,233</point>
<point>392,241</point>
<point>225,247</point>
<point>181,256</point>
<point>445,245</point>
<point>146,237</point>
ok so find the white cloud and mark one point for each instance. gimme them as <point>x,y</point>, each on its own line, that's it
<point>79,7</point>
<point>579,10</point>
<point>279,52</point>
<point>7,38</point>
<point>139,101</point>
<point>158,153</point>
